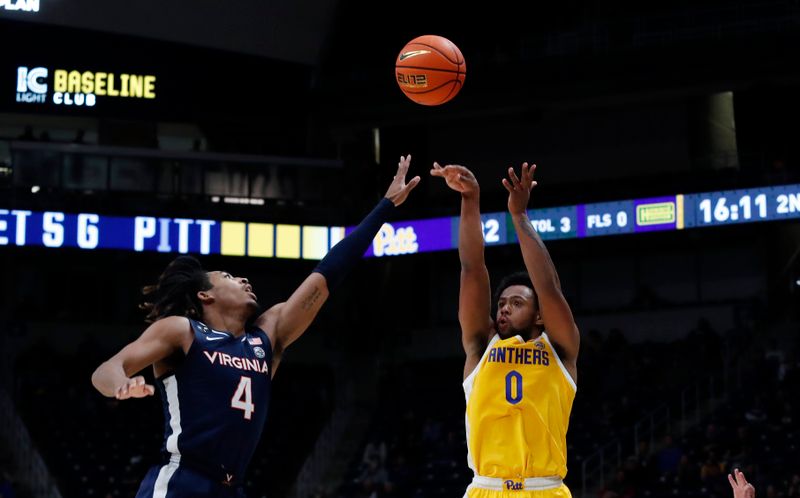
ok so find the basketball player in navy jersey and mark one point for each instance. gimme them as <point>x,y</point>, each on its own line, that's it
<point>212,371</point>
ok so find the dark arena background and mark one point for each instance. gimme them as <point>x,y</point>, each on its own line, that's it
<point>253,134</point>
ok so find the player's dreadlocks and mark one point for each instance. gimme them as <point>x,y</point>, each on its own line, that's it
<point>175,294</point>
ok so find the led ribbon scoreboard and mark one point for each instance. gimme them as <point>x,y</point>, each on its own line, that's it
<point>91,231</point>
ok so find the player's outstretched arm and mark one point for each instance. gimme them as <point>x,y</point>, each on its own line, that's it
<point>556,313</point>
<point>285,322</point>
<point>741,488</point>
<point>159,341</point>
<point>474,298</point>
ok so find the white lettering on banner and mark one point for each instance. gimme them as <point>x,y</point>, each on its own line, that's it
<point>183,234</point>
<point>543,226</point>
<point>53,235</point>
<point>88,233</point>
<point>163,244</point>
<point>31,84</point>
<point>599,220</point>
<point>23,5</point>
<point>76,99</point>
<point>3,228</point>
<point>144,227</point>
<point>205,235</point>
<point>21,217</point>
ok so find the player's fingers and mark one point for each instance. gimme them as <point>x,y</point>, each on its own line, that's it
<point>730,480</point>
<point>533,169</point>
<point>138,381</point>
<point>534,183</point>
<point>412,183</point>
<point>514,178</point>
<point>524,172</point>
<point>450,172</point>
<point>142,391</point>
<point>508,186</point>
<point>404,163</point>
<point>528,173</point>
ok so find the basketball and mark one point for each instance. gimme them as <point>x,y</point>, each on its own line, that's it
<point>430,70</point>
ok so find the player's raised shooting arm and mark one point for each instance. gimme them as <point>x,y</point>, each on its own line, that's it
<point>474,299</point>
<point>556,313</point>
<point>285,322</point>
<point>474,296</point>
<point>159,341</point>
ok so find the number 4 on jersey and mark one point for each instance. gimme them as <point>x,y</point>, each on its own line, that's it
<point>243,397</point>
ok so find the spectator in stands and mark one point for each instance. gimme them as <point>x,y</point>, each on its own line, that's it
<point>687,472</point>
<point>375,450</point>
<point>79,137</point>
<point>6,488</point>
<point>431,431</point>
<point>756,413</point>
<point>669,456</point>
<point>794,487</point>
<point>214,356</point>
<point>619,487</point>
<point>375,472</point>
<point>27,134</point>
<point>400,473</point>
<point>711,469</point>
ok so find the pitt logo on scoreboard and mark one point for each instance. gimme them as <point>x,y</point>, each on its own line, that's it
<point>80,88</point>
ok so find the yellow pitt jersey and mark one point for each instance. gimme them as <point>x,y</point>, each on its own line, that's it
<point>519,398</point>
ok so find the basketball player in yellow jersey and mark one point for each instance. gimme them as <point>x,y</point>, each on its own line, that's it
<point>520,372</point>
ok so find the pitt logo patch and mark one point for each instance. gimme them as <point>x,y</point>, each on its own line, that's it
<point>513,485</point>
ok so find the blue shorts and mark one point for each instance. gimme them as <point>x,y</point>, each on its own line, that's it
<point>177,481</point>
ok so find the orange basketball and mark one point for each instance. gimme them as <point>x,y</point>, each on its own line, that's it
<point>430,70</point>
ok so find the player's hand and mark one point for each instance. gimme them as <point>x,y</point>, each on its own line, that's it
<point>399,189</point>
<point>741,488</point>
<point>134,388</point>
<point>519,188</point>
<point>457,178</point>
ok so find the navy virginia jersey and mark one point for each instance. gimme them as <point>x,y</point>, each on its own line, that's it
<point>215,402</point>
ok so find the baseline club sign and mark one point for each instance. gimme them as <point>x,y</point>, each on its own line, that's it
<point>70,87</point>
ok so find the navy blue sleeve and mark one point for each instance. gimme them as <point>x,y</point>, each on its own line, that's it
<point>344,255</point>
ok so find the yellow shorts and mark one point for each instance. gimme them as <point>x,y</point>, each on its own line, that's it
<point>482,487</point>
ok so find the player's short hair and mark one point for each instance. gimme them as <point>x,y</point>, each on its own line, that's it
<point>175,293</point>
<point>516,278</point>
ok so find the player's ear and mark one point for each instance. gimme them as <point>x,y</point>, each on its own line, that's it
<point>538,318</point>
<point>205,297</point>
